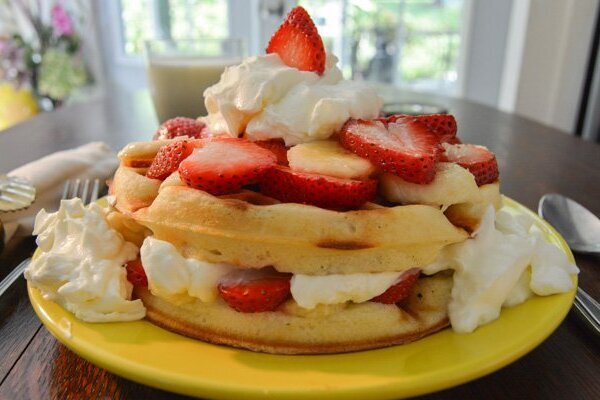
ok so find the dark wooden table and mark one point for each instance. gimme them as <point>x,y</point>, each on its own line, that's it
<point>534,159</point>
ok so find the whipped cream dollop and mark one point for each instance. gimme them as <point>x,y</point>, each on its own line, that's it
<point>267,99</point>
<point>491,269</point>
<point>80,264</point>
<point>170,275</point>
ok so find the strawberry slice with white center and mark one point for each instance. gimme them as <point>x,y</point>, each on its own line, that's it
<point>298,43</point>
<point>404,148</point>
<point>322,191</point>
<point>442,125</point>
<point>277,146</point>
<point>401,289</point>
<point>477,159</point>
<point>168,158</point>
<point>224,165</point>
<point>251,291</point>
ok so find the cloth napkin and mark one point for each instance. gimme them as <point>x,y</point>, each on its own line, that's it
<point>48,174</point>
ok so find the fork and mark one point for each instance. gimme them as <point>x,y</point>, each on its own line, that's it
<point>72,189</point>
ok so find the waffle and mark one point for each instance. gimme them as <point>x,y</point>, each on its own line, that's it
<point>327,329</point>
<point>250,230</point>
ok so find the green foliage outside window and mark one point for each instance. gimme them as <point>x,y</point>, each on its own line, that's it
<point>402,41</point>
<point>419,38</point>
<point>186,19</point>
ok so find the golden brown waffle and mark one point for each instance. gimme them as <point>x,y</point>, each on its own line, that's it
<point>327,329</point>
<point>250,230</point>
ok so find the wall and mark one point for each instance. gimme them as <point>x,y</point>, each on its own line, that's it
<point>486,24</point>
<point>128,73</point>
<point>546,65</point>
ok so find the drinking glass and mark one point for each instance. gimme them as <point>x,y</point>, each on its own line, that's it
<point>180,70</point>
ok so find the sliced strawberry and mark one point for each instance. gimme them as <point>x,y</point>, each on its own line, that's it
<point>323,191</point>
<point>401,289</point>
<point>477,159</point>
<point>168,158</point>
<point>255,291</point>
<point>278,148</point>
<point>136,274</point>
<point>224,165</point>
<point>180,126</point>
<point>138,163</point>
<point>298,43</point>
<point>403,148</point>
<point>442,125</point>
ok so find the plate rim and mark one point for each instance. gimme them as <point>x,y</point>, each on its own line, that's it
<point>203,387</point>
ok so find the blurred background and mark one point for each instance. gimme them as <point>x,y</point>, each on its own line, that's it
<point>536,58</point>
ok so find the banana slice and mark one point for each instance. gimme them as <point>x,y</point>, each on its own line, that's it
<point>327,157</point>
<point>453,184</point>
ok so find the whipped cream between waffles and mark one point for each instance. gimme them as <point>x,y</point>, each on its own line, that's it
<point>490,273</point>
<point>83,271</point>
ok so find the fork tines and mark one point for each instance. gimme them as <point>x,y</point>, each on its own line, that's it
<point>81,189</point>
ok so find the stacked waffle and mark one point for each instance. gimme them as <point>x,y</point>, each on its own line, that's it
<point>298,237</point>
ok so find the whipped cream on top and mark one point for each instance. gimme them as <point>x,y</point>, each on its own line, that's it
<point>80,264</point>
<point>491,269</point>
<point>266,99</point>
<point>171,275</point>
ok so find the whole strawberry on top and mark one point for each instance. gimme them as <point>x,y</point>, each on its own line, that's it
<point>298,42</point>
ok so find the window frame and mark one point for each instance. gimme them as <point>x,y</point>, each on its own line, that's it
<point>245,19</point>
<point>117,36</point>
<point>239,26</point>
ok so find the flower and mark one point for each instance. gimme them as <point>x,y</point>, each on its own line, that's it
<point>60,74</point>
<point>61,22</point>
<point>13,67</point>
<point>40,53</point>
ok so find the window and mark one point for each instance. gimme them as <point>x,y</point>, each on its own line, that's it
<point>411,43</point>
<point>176,19</point>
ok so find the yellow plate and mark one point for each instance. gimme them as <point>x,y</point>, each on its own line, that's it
<point>153,356</point>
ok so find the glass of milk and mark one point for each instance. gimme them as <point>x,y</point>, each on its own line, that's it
<point>180,70</point>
